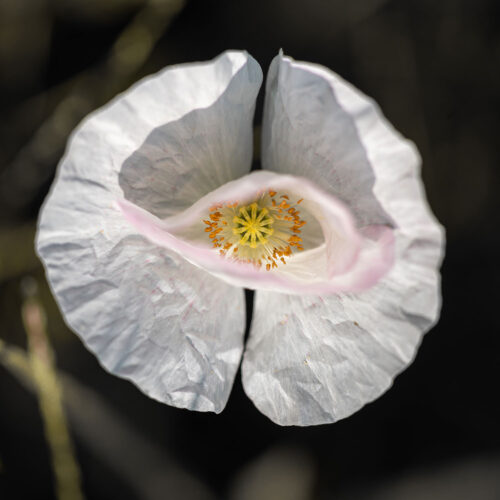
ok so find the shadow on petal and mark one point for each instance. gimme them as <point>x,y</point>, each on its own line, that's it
<point>307,132</point>
<point>183,160</point>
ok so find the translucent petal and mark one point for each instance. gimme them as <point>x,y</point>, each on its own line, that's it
<point>148,314</point>
<point>190,130</point>
<point>339,263</point>
<point>312,360</point>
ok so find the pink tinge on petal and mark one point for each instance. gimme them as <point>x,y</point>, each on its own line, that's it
<point>353,259</point>
<point>375,259</point>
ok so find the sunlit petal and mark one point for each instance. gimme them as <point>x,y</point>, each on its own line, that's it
<point>312,360</point>
<point>147,313</point>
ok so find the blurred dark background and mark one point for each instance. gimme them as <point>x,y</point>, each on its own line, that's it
<point>434,68</point>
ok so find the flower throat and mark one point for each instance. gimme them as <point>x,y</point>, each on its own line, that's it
<point>264,232</point>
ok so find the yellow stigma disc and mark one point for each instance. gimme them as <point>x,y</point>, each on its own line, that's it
<point>253,225</point>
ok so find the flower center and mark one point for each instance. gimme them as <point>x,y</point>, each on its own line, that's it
<point>264,232</point>
<point>252,224</point>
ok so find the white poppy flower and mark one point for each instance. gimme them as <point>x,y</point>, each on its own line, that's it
<point>154,225</point>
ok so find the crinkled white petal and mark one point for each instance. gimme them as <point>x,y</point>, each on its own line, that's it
<point>312,360</point>
<point>148,314</point>
<point>346,260</point>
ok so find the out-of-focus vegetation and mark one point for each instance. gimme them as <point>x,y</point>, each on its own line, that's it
<point>70,430</point>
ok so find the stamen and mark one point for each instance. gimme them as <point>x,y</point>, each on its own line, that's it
<point>264,230</point>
